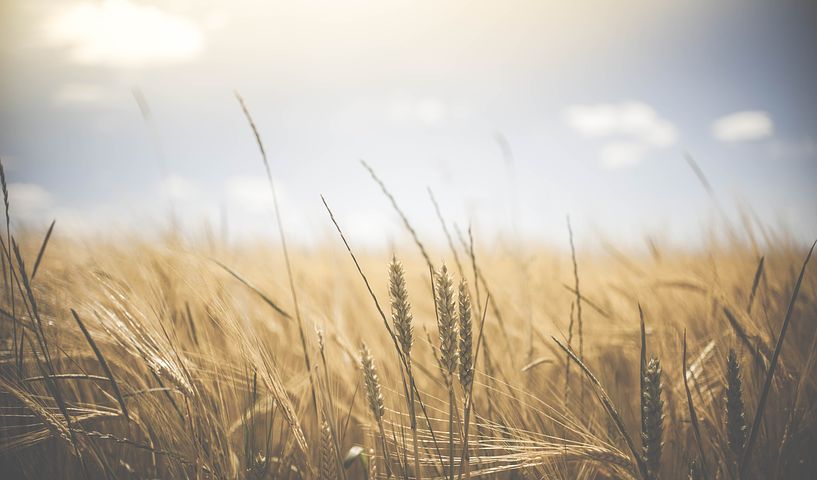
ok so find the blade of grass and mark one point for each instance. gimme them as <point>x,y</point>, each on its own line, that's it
<point>764,394</point>
<point>42,249</point>
<point>755,284</point>
<point>103,363</point>
<point>287,262</point>
<point>403,217</point>
<point>252,287</point>
<point>642,364</point>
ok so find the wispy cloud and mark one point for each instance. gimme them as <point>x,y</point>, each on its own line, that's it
<point>743,126</point>
<point>122,33</point>
<point>638,123</point>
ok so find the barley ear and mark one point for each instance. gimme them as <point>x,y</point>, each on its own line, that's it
<point>466,349</point>
<point>735,415</point>
<point>652,417</point>
<point>400,307</point>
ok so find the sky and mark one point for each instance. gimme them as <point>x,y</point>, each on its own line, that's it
<point>515,114</point>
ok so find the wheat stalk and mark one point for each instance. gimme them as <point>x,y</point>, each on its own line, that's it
<point>404,331</point>
<point>447,325</point>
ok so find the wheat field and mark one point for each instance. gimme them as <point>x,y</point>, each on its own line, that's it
<point>168,357</point>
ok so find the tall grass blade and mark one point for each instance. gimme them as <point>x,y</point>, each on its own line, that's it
<point>103,363</point>
<point>764,394</point>
<point>42,249</point>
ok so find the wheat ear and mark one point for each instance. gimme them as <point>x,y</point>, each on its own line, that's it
<point>466,350</point>
<point>447,324</point>
<point>400,306</point>
<point>402,321</point>
<point>374,395</point>
<point>652,416</point>
<point>329,463</point>
<point>447,321</point>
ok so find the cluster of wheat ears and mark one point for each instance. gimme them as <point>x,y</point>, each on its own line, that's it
<point>175,358</point>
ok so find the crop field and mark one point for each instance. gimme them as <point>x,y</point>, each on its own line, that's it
<point>167,357</point>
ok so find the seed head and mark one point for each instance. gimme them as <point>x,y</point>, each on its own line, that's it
<point>466,358</point>
<point>328,465</point>
<point>373,393</point>
<point>447,320</point>
<point>400,306</point>
<point>652,417</point>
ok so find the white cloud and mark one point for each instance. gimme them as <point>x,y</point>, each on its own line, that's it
<point>633,119</point>
<point>28,198</point>
<point>743,126</point>
<point>179,188</point>
<point>638,122</point>
<point>122,33</point>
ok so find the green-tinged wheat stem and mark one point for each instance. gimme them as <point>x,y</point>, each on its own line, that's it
<point>735,414</point>
<point>652,416</point>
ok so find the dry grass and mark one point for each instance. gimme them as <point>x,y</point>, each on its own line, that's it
<point>172,367</point>
<point>178,359</point>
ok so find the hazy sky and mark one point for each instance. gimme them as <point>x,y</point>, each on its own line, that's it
<point>597,102</point>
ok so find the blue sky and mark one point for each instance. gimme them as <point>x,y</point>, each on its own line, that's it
<point>597,102</point>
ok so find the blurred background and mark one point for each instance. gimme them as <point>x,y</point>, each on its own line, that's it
<point>119,116</point>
